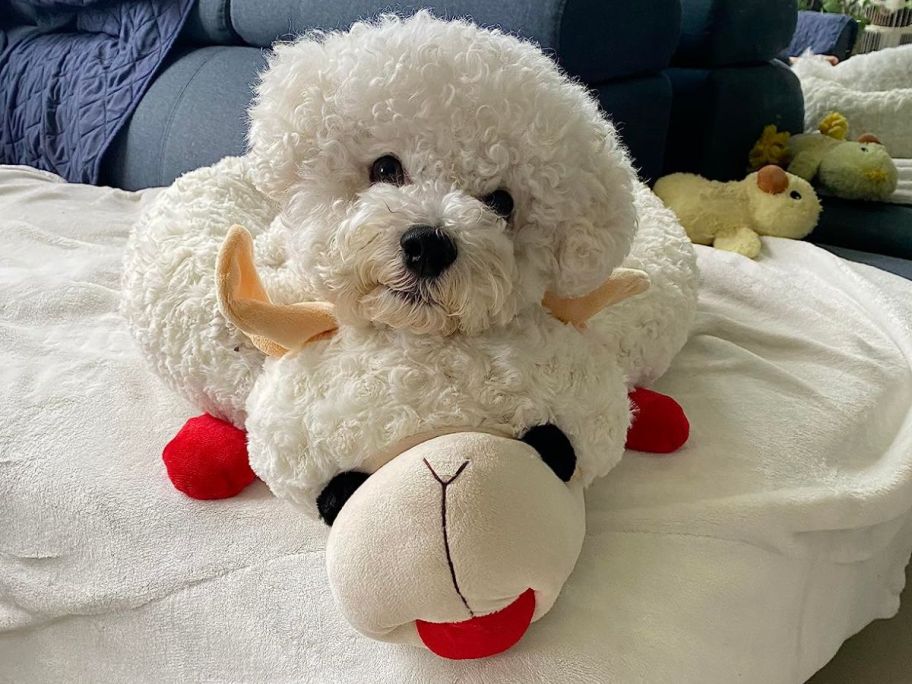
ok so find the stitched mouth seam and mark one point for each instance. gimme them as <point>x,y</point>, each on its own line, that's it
<point>443,520</point>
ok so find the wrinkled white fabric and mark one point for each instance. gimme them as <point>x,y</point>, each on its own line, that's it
<point>778,531</point>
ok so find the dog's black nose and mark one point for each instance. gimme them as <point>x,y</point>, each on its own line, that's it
<point>427,251</point>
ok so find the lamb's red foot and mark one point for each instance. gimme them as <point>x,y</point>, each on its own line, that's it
<point>659,424</point>
<point>207,459</point>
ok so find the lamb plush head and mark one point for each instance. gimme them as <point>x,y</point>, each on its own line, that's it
<point>436,177</point>
<point>451,469</point>
<point>455,209</point>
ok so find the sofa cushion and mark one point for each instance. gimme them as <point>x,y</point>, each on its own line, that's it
<point>900,267</point>
<point>718,114</point>
<point>865,226</point>
<point>194,114</point>
<point>642,128</point>
<point>209,23</point>
<point>727,32</point>
<point>68,84</point>
<point>593,39</point>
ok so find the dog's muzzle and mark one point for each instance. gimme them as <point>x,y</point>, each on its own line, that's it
<point>458,543</point>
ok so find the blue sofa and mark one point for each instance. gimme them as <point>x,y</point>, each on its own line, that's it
<point>689,83</point>
<point>685,89</point>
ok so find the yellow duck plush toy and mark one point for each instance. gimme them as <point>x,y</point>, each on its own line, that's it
<point>732,216</point>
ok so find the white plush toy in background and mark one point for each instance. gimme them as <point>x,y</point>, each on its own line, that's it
<point>732,216</point>
<point>432,215</point>
<point>872,90</point>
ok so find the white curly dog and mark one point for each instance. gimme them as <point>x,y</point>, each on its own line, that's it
<point>430,205</point>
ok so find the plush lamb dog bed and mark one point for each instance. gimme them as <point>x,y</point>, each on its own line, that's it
<point>873,91</point>
<point>781,529</point>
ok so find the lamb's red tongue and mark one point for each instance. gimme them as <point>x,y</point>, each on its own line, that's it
<point>480,637</point>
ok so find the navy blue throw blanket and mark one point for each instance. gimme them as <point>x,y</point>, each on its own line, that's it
<point>71,74</point>
<point>824,34</point>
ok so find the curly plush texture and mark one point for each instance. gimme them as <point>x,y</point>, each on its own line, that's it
<point>467,112</point>
<point>169,296</point>
<point>382,387</point>
<point>313,412</point>
<point>497,115</point>
<point>426,380</point>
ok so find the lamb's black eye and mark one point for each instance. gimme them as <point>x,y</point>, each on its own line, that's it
<point>864,149</point>
<point>554,448</point>
<point>500,202</point>
<point>795,195</point>
<point>387,169</point>
<point>337,492</point>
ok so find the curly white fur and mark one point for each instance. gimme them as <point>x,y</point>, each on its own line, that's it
<point>381,386</point>
<point>384,387</point>
<point>467,111</point>
<point>324,232</point>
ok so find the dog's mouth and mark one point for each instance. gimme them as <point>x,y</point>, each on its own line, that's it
<point>403,305</point>
<point>413,296</point>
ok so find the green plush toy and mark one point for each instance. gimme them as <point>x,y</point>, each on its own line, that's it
<point>852,169</point>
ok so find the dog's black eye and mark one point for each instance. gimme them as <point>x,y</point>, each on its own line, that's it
<point>554,448</point>
<point>795,195</point>
<point>387,169</point>
<point>864,149</point>
<point>500,202</point>
<point>337,492</point>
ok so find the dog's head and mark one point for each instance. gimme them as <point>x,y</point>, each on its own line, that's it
<point>438,177</point>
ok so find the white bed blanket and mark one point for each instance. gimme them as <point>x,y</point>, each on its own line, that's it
<point>781,529</point>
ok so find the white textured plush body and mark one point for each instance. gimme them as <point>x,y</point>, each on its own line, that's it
<point>422,373</point>
<point>339,403</point>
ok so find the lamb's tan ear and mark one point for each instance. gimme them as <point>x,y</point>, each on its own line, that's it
<point>869,138</point>
<point>273,328</point>
<point>623,283</point>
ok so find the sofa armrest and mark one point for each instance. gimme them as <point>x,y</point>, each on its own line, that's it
<point>209,23</point>
<point>718,114</point>
<point>728,32</point>
<point>900,267</point>
<point>193,114</point>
